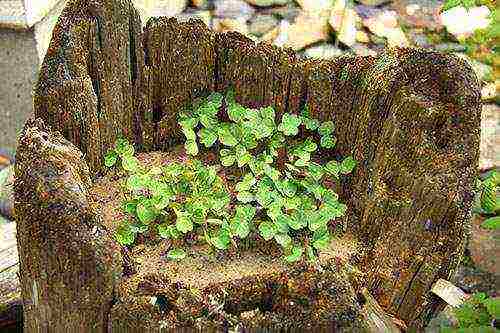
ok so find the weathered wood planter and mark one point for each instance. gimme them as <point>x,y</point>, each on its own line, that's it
<point>411,117</point>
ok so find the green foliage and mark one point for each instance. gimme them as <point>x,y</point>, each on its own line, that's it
<point>477,312</point>
<point>489,202</point>
<point>282,197</point>
<point>448,4</point>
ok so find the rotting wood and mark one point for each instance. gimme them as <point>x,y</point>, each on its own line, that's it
<point>68,264</point>
<point>410,117</point>
<point>377,318</point>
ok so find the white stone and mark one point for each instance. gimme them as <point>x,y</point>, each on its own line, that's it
<point>462,22</point>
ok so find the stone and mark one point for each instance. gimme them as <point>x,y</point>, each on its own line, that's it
<point>267,3</point>
<point>259,25</point>
<point>203,15</point>
<point>482,71</point>
<point>323,51</point>
<point>229,24</point>
<point>484,246</point>
<point>462,22</point>
<point>373,2</point>
<point>306,30</point>
<point>148,8</point>
<point>200,4</point>
<point>343,20</point>
<point>233,9</point>
<point>419,13</point>
<point>362,36</point>
<point>363,50</point>
<point>490,137</point>
<point>315,5</point>
<point>491,92</point>
<point>272,35</point>
<point>449,47</point>
<point>384,23</point>
<point>418,39</point>
<point>288,12</point>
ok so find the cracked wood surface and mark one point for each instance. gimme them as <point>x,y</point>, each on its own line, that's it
<point>410,117</point>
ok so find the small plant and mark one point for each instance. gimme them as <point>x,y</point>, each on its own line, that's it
<point>489,200</point>
<point>479,313</point>
<point>282,192</point>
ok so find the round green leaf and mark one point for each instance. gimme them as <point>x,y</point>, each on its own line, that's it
<point>235,112</point>
<point>327,141</point>
<point>281,224</point>
<point>207,137</point>
<point>228,160</point>
<point>290,124</point>
<point>347,165</point>
<point>226,136</point>
<point>124,235</point>
<point>295,255</point>
<point>311,124</point>
<point>130,163</point>
<point>326,127</point>
<point>110,158</point>
<point>135,182</point>
<point>176,254</point>
<point>309,146</point>
<point>492,223</point>
<point>267,230</point>
<point>284,240</point>
<point>222,240</point>
<point>168,231</point>
<point>183,222</point>
<point>191,147</point>
<point>145,213</point>
<point>333,168</point>
<point>240,227</point>
<point>245,197</point>
<point>321,238</point>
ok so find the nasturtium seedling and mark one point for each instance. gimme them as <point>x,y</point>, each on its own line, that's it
<point>110,158</point>
<point>125,235</point>
<point>176,254</point>
<point>290,124</point>
<point>267,182</point>
<point>295,254</point>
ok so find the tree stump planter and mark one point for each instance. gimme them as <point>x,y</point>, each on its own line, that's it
<point>411,118</point>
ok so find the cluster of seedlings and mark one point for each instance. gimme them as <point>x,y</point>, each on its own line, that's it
<point>263,180</point>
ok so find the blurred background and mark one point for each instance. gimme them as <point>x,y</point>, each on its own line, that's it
<point>324,29</point>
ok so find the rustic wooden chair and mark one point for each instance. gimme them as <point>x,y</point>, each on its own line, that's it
<point>411,117</point>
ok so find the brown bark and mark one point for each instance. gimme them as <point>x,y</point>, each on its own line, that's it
<point>410,118</point>
<point>68,264</point>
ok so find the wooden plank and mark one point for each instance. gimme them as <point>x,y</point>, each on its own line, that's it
<point>10,292</point>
